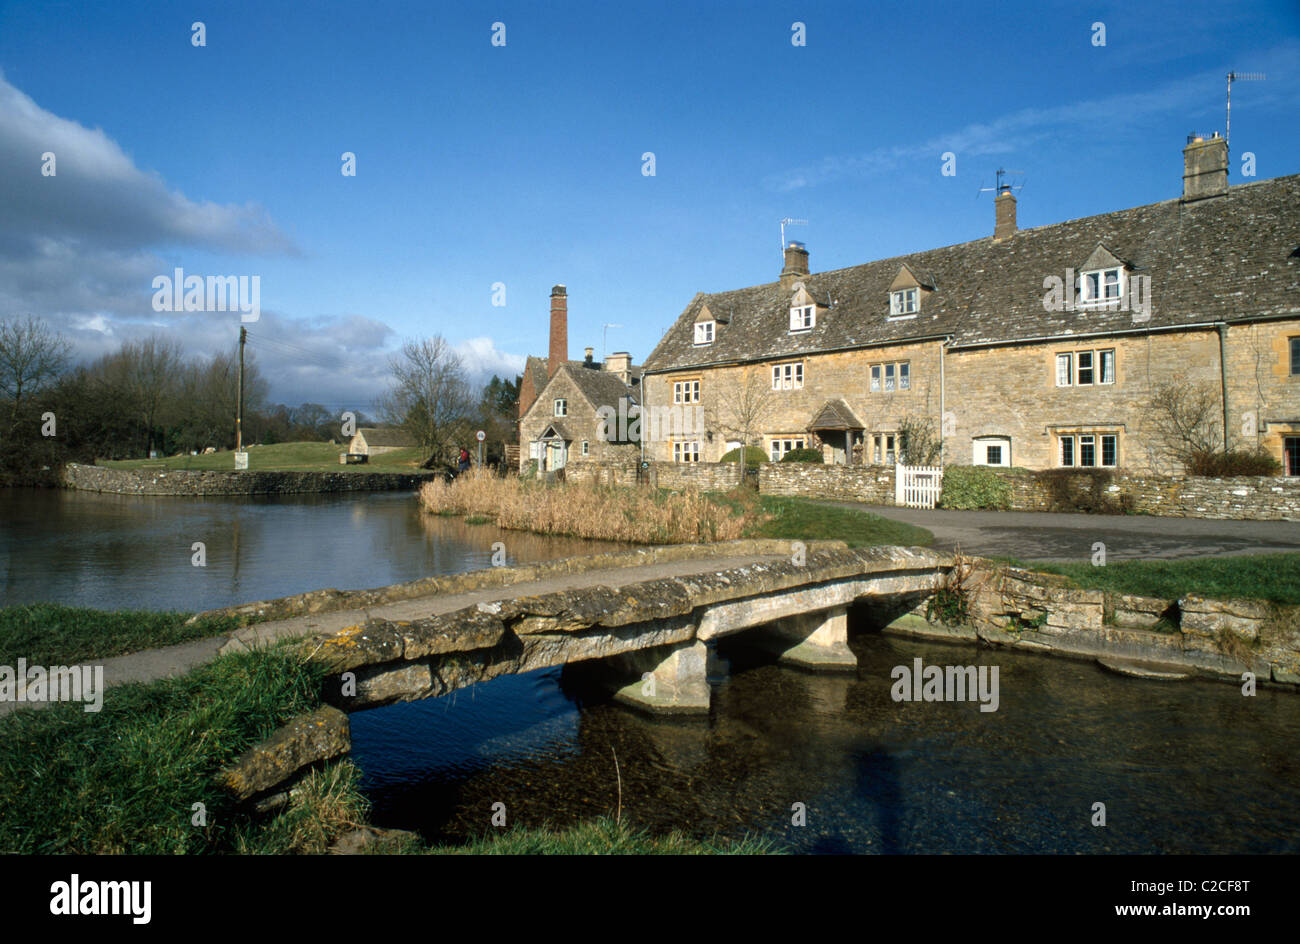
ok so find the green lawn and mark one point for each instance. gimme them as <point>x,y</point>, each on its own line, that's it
<point>801,520</point>
<point>281,457</point>
<point>52,634</point>
<point>1272,577</point>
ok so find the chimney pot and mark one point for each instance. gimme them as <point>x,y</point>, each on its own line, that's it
<point>1205,167</point>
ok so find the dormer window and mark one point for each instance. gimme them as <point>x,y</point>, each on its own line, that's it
<point>1100,286</point>
<point>704,332</point>
<point>904,302</point>
<point>803,317</point>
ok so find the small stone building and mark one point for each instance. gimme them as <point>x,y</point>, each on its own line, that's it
<point>375,441</point>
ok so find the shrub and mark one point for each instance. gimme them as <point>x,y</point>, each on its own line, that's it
<point>753,455</point>
<point>1219,464</point>
<point>803,455</point>
<point>974,486</point>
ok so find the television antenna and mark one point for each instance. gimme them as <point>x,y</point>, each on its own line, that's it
<point>999,187</point>
<point>784,223</point>
<point>604,338</point>
<point>1237,77</point>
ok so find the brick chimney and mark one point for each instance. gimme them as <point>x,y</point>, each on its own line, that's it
<point>796,264</point>
<point>1205,167</point>
<point>1004,214</point>
<point>559,330</point>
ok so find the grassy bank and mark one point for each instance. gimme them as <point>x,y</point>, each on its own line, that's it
<point>281,457</point>
<point>51,634</point>
<point>644,516</point>
<point>127,779</point>
<point>1272,577</point>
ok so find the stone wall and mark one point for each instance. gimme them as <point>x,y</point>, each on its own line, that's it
<point>1137,635</point>
<point>93,478</point>
<point>616,471</point>
<point>870,483</point>
<point>702,476</point>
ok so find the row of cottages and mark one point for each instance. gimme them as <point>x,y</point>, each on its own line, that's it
<point>1036,348</point>
<point>560,400</point>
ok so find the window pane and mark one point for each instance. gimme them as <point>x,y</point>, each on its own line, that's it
<point>1085,367</point>
<point>798,375</point>
<point>889,376</point>
<point>776,378</point>
<point>1112,283</point>
<point>1067,450</point>
<point>875,378</point>
<point>1087,451</point>
<point>995,455</point>
<point>1093,284</point>
<point>1064,369</point>
<point>904,376</point>
<point>1107,367</point>
<point>1108,450</point>
<point>1295,355</point>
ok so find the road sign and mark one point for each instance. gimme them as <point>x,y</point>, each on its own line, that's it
<point>480,435</point>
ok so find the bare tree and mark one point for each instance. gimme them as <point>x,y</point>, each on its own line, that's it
<point>739,409</point>
<point>31,358</point>
<point>430,398</point>
<point>917,442</point>
<point>1186,421</point>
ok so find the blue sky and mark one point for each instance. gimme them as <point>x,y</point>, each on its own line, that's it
<point>522,164</point>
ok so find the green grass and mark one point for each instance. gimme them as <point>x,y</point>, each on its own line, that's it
<point>281,457</point>
<point>797,519</point>
<point>50,634</point>
<point>1271,577</point>
<point>601,836</point>
<point>125,779</point>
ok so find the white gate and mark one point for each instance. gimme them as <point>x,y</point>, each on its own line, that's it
<point>917,486</point>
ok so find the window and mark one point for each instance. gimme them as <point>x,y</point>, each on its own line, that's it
<point>781,446</point>
<point>561,407</point>
<point>1085,368</point>
<point>803,317</point>
<point>686,451</point>
<point>686,391</point>
<point>1090,450</point>
<point>585,449</point>
<point>992,450</point>
<point>882,448</point>
<point>904,302</point>
<point>1291,450</point>
<point>891,377</point>
<point>787,376</point>
<point>1099,287</point>
<point>704,332</point>
<point>1295,357</point>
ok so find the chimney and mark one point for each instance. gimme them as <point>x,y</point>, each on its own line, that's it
<point>1205,167</point>
<point>796,264</point>
<point>1004,215</point>
<point>587,361</point>
<point>559,330</point>
<point>620,363</point>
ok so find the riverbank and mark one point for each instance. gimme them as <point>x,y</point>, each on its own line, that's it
<point>194,483</point>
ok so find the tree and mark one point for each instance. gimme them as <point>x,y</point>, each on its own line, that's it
<point>917,443</point>
<point>430,398</point>
<point>1186,421</point>
<point>31,359</point>
<point>739,409</point>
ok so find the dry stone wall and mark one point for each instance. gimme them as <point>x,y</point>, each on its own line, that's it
<point>95,478</point>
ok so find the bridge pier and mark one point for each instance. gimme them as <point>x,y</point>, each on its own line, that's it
<point>669,679</point>
<point>812,640</point>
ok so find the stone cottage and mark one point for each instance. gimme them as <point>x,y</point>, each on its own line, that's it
<point>1046,347</point>
<point>375,441</point>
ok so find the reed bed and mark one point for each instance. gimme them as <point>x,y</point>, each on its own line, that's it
<point>587,510</point>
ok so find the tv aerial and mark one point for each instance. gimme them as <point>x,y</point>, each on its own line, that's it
<point>999,187</point>
<point>789,222</point>
<point>1237,77</point>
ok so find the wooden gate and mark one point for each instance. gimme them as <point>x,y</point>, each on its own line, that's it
<point>917,486</point>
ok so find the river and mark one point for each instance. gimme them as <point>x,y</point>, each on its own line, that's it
<point>1186,767</point>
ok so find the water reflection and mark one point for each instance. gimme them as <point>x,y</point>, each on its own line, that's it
<point>123,551</point>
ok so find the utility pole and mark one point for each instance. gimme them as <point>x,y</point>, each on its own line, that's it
<point>239,409</point>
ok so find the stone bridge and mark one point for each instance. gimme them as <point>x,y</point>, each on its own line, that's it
<point>650,636</point>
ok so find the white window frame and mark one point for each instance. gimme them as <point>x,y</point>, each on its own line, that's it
<point>1097,441</point>
<point>1098,360</point>
<point>803,317</point>
<point>704,332</point>
<point>780,445</point>
<point>891,377</point>
<point>561,406</point>
<point>687,450</point>
<point>686,391</point>
<point>980,451</point>
<point>1093,288</point>
<point>1065,378</point>
<point>904,302</point>
<point>586,450</point>
<point>787,376</point>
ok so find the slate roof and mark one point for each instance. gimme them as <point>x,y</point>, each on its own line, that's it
<point>600,387</point>
<point>385,436</point>
<point>836,414</point>
<point>1234,257</point>
<point>560,430</point>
